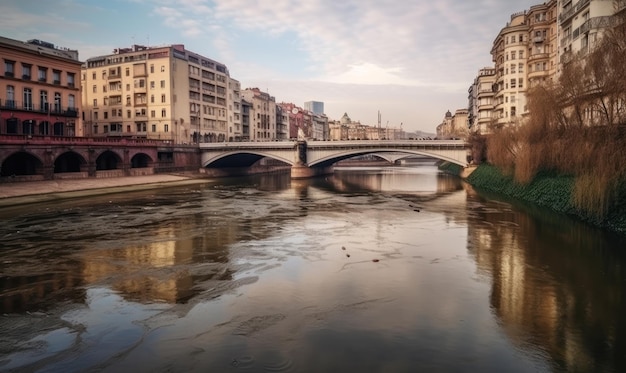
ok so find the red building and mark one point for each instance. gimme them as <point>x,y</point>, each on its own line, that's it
<point>39,89</point>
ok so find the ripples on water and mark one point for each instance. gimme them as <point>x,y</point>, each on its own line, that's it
<point>378,270</point>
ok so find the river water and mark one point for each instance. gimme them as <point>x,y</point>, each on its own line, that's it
<point>367,270</point>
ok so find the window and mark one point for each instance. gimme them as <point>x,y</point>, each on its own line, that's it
<point>520,68</point>
<point>513,39</point>
<point>513,111</point>
<point>513,83</point>
<point>162,68</point>
<point>57,102</point>
<point>162,83</point>
<point>70,80</point>
<point>127,71</point>
<point>163,113</point>
<point>106,115</point>
<point>9,68</point>
<point>154,128</point>
<point>152,84</point>
<point>521,82</point>
<point>95,115</point>
<point>26,71</point>
<point>512,68</point>
<point>128,114</point>
<point>95,89</point>
<point>163,98</point>
<point>521,55</point>
<point>10,96</point>
<point>42,74</point>
<point>152,113</point>
<point>152,99</point>
<point>166,128</point>
<point>95,102</point>
<point>151,69</point>
<point>95,128</point>
<point>93,76</point>
<point>127,100</point>
<point>56,77</point>
<point>43,100</point>
<point>28,99</point>
<point>513,55</point>
<point>128,87</point>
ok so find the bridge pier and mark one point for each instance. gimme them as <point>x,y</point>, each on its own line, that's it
<point>304,172</point>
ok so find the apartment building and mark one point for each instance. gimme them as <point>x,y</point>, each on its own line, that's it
<point>39,94</point>
<point>481,101</point>
<point>509,53</point>
<point>235,129</point>
<point>262,114</point>
<point>163,93</point>
<point>542,43</point>
<point>581,23</point>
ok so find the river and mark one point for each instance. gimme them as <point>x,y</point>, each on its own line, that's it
<point>394,269</point>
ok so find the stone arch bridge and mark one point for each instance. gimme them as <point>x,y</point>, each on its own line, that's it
<point>311,158</point>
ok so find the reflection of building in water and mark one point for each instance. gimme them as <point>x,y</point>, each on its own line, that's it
<point>537,290</point>
<point>39,292</point>
<point>163,270</point>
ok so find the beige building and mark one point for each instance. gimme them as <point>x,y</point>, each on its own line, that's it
<point>509,53</point>
<point>542,43</point>
<point>165,93</point>
<point>235,127</point>
<point>262,114</point>
<point>39,92</point>
<point>581,23</point>
<point>454,126</point>
<point>481,101</point>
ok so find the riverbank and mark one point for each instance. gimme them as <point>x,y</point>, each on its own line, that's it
<point>553,192</point>
<point>21,193</point>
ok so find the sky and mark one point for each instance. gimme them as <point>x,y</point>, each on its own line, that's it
<point>410,60</point>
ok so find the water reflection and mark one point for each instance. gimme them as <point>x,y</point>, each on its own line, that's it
<point>556,283</point>
<point>393,269</point>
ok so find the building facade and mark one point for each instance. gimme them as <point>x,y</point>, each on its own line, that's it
<point>39,91</point>
<point>316,107</point>
<point>262,114</point>
<point>235,130</point>
<point>162,93</point>
<point>481,101</point>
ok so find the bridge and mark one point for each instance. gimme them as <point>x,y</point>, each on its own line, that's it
<point>311,158</point>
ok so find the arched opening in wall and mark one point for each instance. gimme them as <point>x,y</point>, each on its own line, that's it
<point>21,164</point>
<point>12,125</point>
<point>107,161</point>
<point>69,162</point>
<point>140,160</point>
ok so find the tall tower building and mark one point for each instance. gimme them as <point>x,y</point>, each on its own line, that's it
<point>315,107</point>
<point>164,93</point>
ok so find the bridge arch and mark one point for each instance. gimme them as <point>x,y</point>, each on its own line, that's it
<point>331,159</point>
<point>69,161</point>
<point>238,158</point>
<point>108,160</point>
<point>141,160</point>
<point>21,163</point>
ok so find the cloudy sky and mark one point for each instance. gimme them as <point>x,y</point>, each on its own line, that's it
<point>409,59</point>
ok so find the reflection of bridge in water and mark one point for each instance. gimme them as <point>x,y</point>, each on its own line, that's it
<point>310,158</point>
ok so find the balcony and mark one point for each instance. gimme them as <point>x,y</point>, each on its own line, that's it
<point>9,74</point>
<point>25,77</point>
<point>538,56</point>
<point>538,74</point>
<point>566,15</point>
